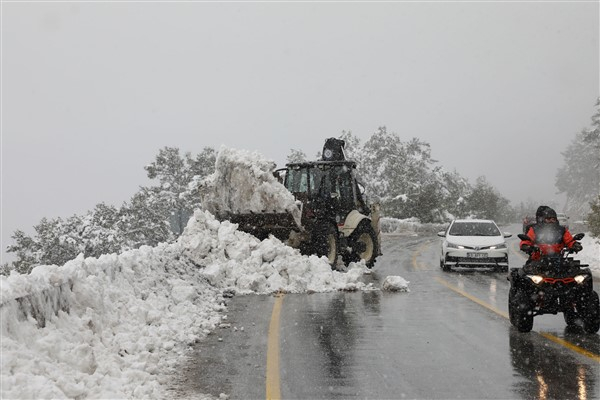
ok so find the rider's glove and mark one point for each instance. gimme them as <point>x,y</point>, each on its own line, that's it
<point>577,247</point>
<point>527,248</point>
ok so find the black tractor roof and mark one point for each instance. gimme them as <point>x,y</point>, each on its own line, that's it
<point>322,164</point>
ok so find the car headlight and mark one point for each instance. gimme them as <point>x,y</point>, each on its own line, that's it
<point>498,246</point>
<point>535,278</point>
<point>580,278</point>
<point>454,246</point>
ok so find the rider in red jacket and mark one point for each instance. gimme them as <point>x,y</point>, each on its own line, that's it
<point>548,236</point>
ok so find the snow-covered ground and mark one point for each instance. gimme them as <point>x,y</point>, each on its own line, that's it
<point>118,326</point>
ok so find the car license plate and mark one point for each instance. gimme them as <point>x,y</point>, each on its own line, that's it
<point>477,255</point>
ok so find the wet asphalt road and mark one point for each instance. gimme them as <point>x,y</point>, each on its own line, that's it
<point>445,339</point>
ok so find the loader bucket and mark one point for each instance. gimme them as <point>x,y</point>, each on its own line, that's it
<point>262,225</point>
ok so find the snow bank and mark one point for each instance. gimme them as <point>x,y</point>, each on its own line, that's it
<point>115,326</point>
<point>243,182</point>
<point>235,260</point>
<point>119,320</point>
<point>590,254</point>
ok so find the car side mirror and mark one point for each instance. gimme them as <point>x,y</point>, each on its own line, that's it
<point>441,234</point>
<point>507,234</point>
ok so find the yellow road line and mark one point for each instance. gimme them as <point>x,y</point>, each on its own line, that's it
<point>472,298</point>
<point>548,336</point>
<point>571,346</point>
<point>415,264</point>
<point>272,384</point>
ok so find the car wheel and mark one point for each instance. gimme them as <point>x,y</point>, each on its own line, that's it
<point>444,266</point>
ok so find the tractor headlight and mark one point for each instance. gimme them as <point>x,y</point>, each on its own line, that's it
<point>580,278</point>
<point>535,278</point>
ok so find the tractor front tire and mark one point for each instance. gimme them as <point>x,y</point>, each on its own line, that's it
<point>325,242</point>
<point>363,243</point>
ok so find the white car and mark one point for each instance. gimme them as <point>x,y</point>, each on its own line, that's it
<point>474,243</point>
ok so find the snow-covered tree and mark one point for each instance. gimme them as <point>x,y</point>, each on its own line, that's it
<point>352,147</point>
<point>57,241</point>
<point>402,176</point>
<point>25,249</point>
<point>176,195</point>
<point>485,201</point>
<point>145,220</point>
<point>593,218</point>
<point>455,190</point>
<point>579,177</point>
<point>296,156</point>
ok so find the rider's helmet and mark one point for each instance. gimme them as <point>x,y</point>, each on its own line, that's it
<point>549,216</point>
<point>539,214</point>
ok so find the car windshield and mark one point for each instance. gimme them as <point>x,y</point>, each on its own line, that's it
<point>474,229</point>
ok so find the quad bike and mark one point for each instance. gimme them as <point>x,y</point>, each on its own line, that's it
<point>553,284</point>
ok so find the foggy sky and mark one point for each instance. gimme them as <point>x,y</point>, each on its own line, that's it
<point>91,92</point>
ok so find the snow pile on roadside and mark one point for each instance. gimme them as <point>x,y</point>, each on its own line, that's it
<point>234,260</point>
<point>123,322</point>
<point>113,327</point>
<point>590,254</point>
<point>243,182</point>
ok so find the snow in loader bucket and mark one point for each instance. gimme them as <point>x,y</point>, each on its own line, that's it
<point>264,224</point>
<point>244,190</point>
